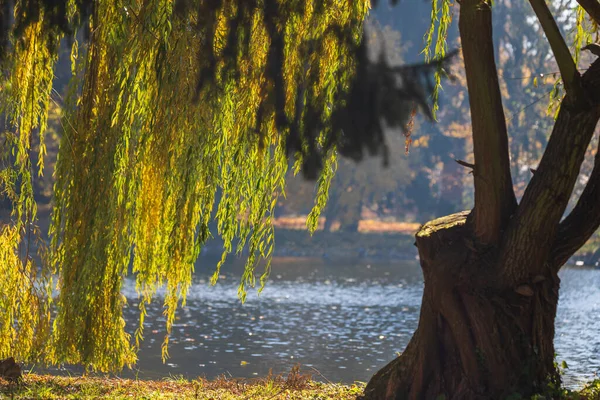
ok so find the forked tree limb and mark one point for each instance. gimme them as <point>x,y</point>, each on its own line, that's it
<point>494,196</point>
<point>534,229</point>
<point>564,59</point>
<point>592,7</point>
<point>581,223</point>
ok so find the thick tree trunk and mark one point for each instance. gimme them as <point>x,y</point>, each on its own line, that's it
<point>351,217</point>
<point>348,214</point>
<point>476,338</point>
<point>10,370</point>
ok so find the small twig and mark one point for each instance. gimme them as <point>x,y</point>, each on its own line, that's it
<point>64,128</point>
<point>534,102</point>
<point>432,63</point>
<point>536,75</point>
<point>130,10</point>
<point>323,376</point>
<point>465,164</point>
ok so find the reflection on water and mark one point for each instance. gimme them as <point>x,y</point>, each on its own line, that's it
<point>343,321</point>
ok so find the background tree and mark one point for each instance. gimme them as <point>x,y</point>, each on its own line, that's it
<point>437,185</point>
<point>359,184</point>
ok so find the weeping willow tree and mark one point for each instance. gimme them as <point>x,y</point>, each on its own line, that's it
<point>170,102</point>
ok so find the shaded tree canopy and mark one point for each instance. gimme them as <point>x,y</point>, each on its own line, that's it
<point>374,95</point>
<point>170,102</point>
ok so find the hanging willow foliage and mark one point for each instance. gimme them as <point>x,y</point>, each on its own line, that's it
<point>171,102</point>
<point>24,101</point>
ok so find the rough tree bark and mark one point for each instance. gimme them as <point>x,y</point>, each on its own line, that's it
<point>486,327</point>
<point>494,196</point>
<point>10,370</point>
<point>476,339</point>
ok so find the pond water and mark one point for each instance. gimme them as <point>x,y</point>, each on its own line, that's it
<point>341,322</point>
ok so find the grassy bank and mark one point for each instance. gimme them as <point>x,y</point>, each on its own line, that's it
<point>294,386</point>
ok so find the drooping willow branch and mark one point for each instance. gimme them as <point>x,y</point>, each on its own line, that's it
<point>140,161</point>
<point>592,7</point>
<point>377,93</point>
<point>351,120</point>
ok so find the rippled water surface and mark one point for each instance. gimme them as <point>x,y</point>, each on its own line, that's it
<point>342,322</point>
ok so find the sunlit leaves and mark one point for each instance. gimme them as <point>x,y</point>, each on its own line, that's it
<point>24,101</point>
<point>312,221</point>
<point>584,32</point>
<point>25,317</point>
<point>440,18</point>
<point>146,148</point>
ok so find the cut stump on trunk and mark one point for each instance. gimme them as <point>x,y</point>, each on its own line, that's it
<point>477,338</point>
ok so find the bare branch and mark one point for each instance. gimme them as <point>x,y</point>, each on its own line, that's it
<point>494,195</point>
<point>465,164</point>
<point>592,7</point>
<point>566,64</point>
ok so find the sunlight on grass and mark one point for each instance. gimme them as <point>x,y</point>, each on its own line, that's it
<point>364,226</point>
<point>294,386</point>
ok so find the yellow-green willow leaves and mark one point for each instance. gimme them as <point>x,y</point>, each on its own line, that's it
<point>442,20</point>
<point>145,149</point>
<point>24,101</point>
<point>25,318</point>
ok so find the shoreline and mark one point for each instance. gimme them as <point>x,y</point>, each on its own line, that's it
<point>375,241</point>
<point>296,385</point>
<point>296,244</point>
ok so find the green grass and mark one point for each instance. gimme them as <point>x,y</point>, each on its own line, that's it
<point>294,386</point>
<point>591,390</point>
